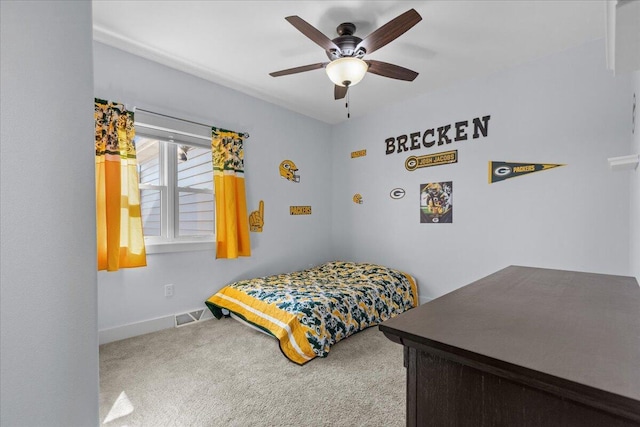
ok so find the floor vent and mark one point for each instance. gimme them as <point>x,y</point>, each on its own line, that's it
<point>191,317</point>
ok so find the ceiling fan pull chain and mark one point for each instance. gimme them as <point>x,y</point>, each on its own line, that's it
<point>347,107</point>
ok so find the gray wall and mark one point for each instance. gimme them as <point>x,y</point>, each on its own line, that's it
<point>286,243</point>
<point>49,346</point>
<point>565,108</point>
<point>634,216</point>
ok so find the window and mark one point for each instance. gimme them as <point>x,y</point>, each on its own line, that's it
<point>176,190</point>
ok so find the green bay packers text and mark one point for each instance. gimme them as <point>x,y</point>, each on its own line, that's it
<point>300,210</point>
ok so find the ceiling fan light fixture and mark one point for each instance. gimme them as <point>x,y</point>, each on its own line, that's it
<point>346,71</point>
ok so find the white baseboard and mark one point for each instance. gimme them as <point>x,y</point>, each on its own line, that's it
<point>153,325</point>
<point>134,329</point>
<point>144,327</point>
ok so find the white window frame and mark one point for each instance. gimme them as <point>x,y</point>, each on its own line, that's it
<point>169,191</point>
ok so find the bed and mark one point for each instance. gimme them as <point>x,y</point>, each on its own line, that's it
<point>310,310</point>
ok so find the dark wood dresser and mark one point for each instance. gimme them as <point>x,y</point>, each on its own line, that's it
<point>525,347</point>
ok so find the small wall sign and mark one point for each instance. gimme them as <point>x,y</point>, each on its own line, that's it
<point>300,210</point>
<point>415,162</point>
<point>357,198</point>
<point>360,153</point>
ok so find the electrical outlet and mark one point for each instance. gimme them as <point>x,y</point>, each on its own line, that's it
<point>168,290</point>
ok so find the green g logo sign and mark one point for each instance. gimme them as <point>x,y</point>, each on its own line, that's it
<point>397,193</point>
<point>502,170</point>
<point>411,163</point>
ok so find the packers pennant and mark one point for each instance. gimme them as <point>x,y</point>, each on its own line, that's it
<point>499,171</point>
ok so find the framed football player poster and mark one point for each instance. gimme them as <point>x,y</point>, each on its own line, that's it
<point>436,202</point>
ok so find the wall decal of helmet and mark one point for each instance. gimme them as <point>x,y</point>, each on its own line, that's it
<point>256,219</point>
<point>357,198</point>
<point>288,171</point>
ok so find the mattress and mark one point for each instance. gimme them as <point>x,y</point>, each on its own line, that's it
<point>310,310</point>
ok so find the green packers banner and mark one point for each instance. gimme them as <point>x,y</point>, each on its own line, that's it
<point>499,171</point>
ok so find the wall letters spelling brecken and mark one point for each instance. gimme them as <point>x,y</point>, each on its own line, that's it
<point>458,131</point>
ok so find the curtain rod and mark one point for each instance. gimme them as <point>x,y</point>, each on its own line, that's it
<point>245,134</point>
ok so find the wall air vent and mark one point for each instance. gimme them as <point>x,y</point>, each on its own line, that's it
<point>191,317</point>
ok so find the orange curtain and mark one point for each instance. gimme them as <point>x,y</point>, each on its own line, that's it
<point>232,224</point>
<point>119,223</point>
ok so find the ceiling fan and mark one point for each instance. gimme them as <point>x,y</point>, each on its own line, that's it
<point>346,51</point>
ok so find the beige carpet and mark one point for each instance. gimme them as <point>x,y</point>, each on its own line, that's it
<point>222,373</point>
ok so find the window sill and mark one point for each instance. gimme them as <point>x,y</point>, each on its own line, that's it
<point>169,247</point>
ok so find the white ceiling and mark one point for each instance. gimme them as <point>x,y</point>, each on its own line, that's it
<point>238,43</point>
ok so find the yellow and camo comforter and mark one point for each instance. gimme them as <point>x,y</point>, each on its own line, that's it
<point>308,311</point>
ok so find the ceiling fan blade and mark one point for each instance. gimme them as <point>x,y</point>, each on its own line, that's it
<point>340,92</point>
<point>298,69</point>
<point>312,32</point>
<point>390,31</point>
<point>390,70</point>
